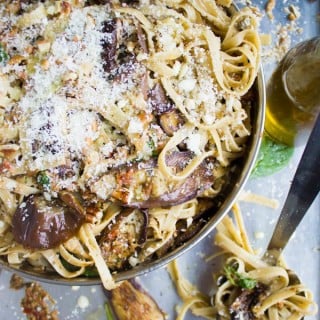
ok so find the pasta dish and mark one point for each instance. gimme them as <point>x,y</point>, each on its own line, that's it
<point>119,124</point>
<point>248,287</point>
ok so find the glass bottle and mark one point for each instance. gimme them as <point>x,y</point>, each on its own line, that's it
<point>293,92</point>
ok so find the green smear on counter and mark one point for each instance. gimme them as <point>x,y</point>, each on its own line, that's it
<point>272,157</point>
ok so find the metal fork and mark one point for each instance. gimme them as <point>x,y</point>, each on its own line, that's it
<point>304,188</point>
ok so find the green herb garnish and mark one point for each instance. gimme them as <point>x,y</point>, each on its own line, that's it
<point>273,156</point>
<point>108,310</point>
<point>153,149</point>
<point>151,144</point>
<point>43,179</point>
<point>91,272</point>
<point>247,283</point>
<point>237,279</point>
<point>4,57</point>
<point>70,267</point>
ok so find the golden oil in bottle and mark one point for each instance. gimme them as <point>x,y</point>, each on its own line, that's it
<point>293,92</point>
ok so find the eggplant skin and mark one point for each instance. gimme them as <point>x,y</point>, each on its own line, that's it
<point>41,224</point>
<point>243,305</point>
<point>130,302</point>
<point>193,186</point>
<point>119,240</point>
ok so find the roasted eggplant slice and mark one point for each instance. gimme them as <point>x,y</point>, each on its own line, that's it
<point>159,101</point>
<point>137,185</point>
<point>39,224</point>
<point>97,2</point>
<point>142,39</point>
<point>110,45</point>
<point>130,302</point>
<point>194,185</point>
<point>171,121</point>
<point>243,305</point>
<point>119,240</point>
<point>185,229</point>
<point>120,59</point>
<point>130,2</point>
<point>181,237</point>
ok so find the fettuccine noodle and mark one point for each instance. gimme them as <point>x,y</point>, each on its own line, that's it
<point>273,297</point>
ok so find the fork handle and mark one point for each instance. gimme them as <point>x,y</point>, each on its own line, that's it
<point>304,188</point>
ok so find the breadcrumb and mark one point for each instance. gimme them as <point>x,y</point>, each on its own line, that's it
<point>37,304</point>
<point>293,12</point>
<point>269,8</point>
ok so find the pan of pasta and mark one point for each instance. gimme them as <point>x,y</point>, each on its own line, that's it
<point>127,129</point>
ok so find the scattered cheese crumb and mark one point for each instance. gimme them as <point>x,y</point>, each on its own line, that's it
<point>266,39</point>
<point>135,126</point>
<point>83,302</point>
<point>187,85</point>
<point>133,261</point>
<point>269,8</point>
<point>189,222</point>
<point>259,235</point>
<point>293,12</point>
<point>75,288</point>
<point>194,143</point>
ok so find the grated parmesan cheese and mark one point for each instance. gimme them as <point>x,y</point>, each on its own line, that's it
<point>74,57</point>
<point>83,302</point>
<point>82,129</point>
<point>187,84</point>
<point>194,143</point>
<point>135,126</point>
<point>259,235</point>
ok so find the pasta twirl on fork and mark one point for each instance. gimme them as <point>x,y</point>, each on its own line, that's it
<point>248,288</point>
<point>119,122</point>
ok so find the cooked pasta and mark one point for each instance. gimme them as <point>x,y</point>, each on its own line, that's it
<point>249,287</point>
<point>119,121</point>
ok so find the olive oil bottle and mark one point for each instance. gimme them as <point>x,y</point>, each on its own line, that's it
<point>293,92</point>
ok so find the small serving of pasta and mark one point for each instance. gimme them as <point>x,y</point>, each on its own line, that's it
<point>248,287</point>
<point>119,123</point>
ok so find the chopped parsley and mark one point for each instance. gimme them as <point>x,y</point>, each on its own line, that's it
<point>237,279</point>
<point>4,57</point>
<point>153,149</point>
<point>43,179</point>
